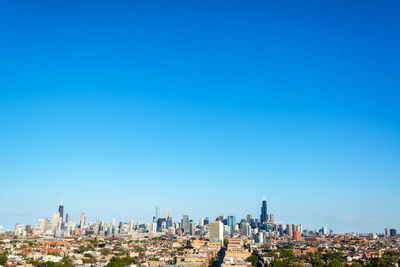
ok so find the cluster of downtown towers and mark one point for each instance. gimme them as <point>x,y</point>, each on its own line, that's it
<point>159,224</point>
<point>59,227</point>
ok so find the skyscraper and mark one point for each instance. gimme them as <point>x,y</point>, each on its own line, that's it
<point>264,214</point>
<point>216,231</point>
<point>55,222</point>
<point>68,217</point>
<point>83,219</point>
<point>157,214</point>
<point>61,211</point>
<point>167,213</point>
<point>185,223</point>
<point>231,222</point>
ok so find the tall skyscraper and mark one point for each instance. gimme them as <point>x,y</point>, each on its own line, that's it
<point>83,219</point>
<point>68,217</point>
<point>157,215</point>
<point>61,211</point>
<point>185,223</point>
<point>201,221</point>
<point>55,222</point>
<point>231,222</point>
<point>216,231</point>
<point>249,217</point>
<point>264,214</point>
<point>167,213</point>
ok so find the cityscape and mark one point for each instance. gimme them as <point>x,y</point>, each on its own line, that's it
<point>221,241</point>
<point>212,133</point>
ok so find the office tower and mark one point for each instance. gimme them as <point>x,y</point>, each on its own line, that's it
<point>83,218</point>
<point>207,221</point>
<point>281,229</point>
<point>169,222</point>
<point>300,228</point>
<point>46,223</point>
<point>55,221</point>
<point>157,215</point>
<point>153,228</point>
<point>231,222</point>
<point>393,232</point>
<point>246,229</point>
<point>324,230</point>
<point>61,211</point>
<point>192,229</point>
<point>289,230</point>
<point>185,224</point>
<point>161,224</point>
<point>216,231</point>
<point>249,217</point>
<point>271,218</point>
<point>68,217</point>
<point>41,224</point>
<point>387,232</point>
<point>167,213</point>
<point>201,222</point>
<point>294,228</point>
<point>296,235</point>
<point>264,214</point>
<point>130,225</point>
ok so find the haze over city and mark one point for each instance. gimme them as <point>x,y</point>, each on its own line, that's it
<point>202,108</point>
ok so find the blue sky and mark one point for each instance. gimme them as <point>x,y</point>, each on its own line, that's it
<point>201,107</point>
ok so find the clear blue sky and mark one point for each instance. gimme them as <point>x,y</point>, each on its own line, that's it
<point>201,107</point>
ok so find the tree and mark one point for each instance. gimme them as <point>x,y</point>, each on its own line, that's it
<point>121,262</point>
<point>105,251</point>
<point>211,262</point>
<point>66,261</point>
<point>3,258</point>
<point>253,259</point>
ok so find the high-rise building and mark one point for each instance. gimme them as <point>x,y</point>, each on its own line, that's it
<point>231,222</point>
<point>61,211</point>
<point>296,235</point>
<point>387,232</point>
<point>271,218</point>
<point>130,225</point>
<point>264,214</point>
<point>246,229</point>
<point>201,221</point>
<point>192,227</point>
<point>216,231</point>
<point>157,215</point>
<point>83,219</point>
<point>68,218</point>
<point>289,231</point>
<point>169,222</point>
<point>249,217</point>
<point>185,223</point>
<point>55,221</point>
<point>167,213</point>
<point>393,232</point>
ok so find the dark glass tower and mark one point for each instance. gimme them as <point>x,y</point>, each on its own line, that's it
<point>61,211</point>
<point>264,214</point>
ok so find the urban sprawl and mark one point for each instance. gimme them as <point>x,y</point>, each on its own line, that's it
<point>224,241</point>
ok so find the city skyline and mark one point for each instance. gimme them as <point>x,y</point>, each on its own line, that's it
<point>264,218</point>
<point>201,108</point>
<point>59,223</point>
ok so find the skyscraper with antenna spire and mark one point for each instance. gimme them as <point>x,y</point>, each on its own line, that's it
<point>264,214</point>
<point>61,211</point>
